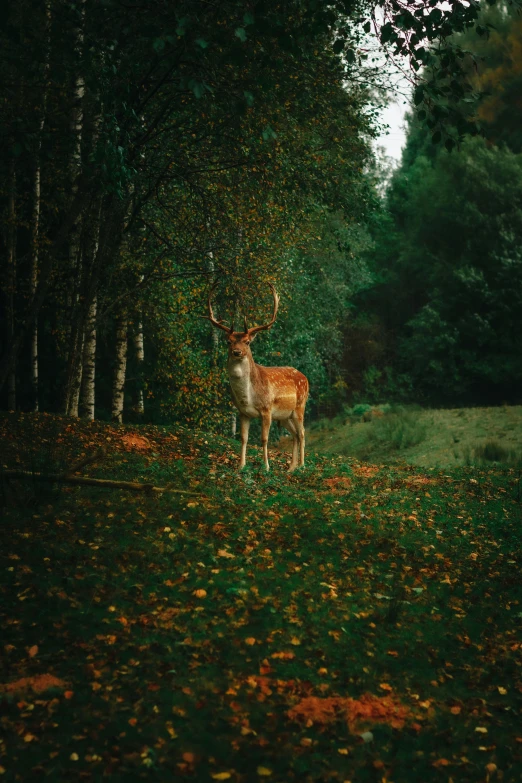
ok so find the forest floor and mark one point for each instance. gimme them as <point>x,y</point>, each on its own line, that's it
<point>348,622</point>
<point>427,438</point>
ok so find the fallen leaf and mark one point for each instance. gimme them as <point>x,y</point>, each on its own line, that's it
<point>32,651</point>
<point>221,775</point>
<point>264,771</point>
<point>200,593</point>
<point>385,687</point>
<point>74,757</point>
<point>250,640</point>
<point>481,729</point>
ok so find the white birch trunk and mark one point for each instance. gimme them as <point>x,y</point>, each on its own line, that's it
<point>139,349</point>
<point>140,356</point>
<point>89,364</point>
<point>120,366</point>
<point>11,280</point>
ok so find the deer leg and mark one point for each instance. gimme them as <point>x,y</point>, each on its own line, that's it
<point>245,426</point>
<point>266,420</point>
<point>290,426</point>
<point>297,420</point>
<point>301,431</point>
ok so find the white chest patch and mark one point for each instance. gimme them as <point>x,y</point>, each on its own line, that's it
<point>239,378</point>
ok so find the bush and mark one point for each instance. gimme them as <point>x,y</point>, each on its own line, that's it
<point>493,451</point>
<point>398,431</point>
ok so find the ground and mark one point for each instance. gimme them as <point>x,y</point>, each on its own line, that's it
<point>347,622</point>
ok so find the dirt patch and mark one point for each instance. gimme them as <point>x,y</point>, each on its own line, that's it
<point>37,684</point>
<point>134,442</point>
<point>367,471</point>
<point>419,481</point>
<point>338,483</point>
<point>358,713</point>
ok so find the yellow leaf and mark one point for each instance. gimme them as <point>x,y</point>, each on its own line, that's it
<point>502,690</point>
<point>385,687</point>
<point>343,751</point>
<point>264,771</point>
<point>481,729</point>
<point>200,593</point>
<point>294,640</point>
<point>74,757</point>
<point>250,640</point>
<point>222,776</point>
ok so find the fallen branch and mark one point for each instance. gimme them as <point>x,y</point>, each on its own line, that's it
<point>93,482</point>
<point>82,463</point>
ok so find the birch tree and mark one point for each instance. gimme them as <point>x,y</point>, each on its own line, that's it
<point>120,366</point>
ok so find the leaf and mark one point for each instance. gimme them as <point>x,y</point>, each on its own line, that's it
<point>250,640</point>
<point>240,33</point>
<point>32,651</point>
<point>481,729</point>
<point>264,771</point>
<point>385,686</point>
<point>221,775</point>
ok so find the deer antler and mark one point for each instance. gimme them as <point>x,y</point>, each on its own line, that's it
<point>263,328</point>
<point>211,316</point>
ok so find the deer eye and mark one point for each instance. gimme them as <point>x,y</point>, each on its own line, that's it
<point>247,342</point>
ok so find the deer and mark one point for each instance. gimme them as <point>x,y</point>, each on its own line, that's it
<point>268,393</point>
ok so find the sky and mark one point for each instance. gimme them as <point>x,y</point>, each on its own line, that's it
<point>393,141</point>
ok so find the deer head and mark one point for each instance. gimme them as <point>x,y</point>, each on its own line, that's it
<point>239,342</point>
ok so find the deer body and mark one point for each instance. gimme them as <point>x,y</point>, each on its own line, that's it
<point>268,393</point>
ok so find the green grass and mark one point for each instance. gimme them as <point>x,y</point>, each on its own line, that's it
<point>427,438</point>
<point>337,581</point>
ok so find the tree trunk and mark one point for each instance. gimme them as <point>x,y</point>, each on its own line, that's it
<point>35,222</point>
<point>11,280</point>
<point>140,356</point>
<point>73,377</point>
<point>89,364</point>
<point>120,366</point>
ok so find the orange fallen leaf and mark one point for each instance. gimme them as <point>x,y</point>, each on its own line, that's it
<point>188,757</point>
<point>250,640</point>
<point>441,763</point>
<point>200,593</point>
<point>456,710</point>
<point>385,687</point>
<point>133,721</point>
<point>32,651</point>
<point>68,694</point>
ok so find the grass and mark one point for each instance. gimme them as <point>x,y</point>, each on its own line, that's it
<point>427,438</point>
<point>347,622</point>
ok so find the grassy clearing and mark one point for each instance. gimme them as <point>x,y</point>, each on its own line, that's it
<point>348,622</point>
<point>427,438</point>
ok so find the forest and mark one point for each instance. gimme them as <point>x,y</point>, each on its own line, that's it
<point>148,151</point>
<point>171,609</point>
